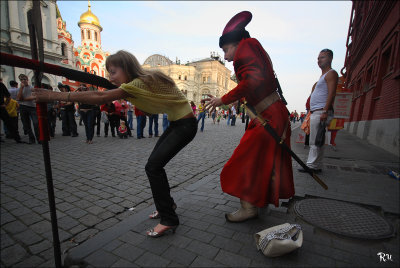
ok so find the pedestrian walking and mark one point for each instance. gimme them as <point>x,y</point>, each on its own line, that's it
<point>202,114</point>
<point>153,92</point>
<point>268,174</point>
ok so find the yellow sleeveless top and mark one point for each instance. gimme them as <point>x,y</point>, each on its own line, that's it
<point>158,99</point>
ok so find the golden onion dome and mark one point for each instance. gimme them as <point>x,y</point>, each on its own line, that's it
<point>90,18</point>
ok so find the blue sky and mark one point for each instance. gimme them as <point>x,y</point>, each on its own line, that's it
<point>292,32</point>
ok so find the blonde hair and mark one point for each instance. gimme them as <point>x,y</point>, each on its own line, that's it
<point>132,68</point>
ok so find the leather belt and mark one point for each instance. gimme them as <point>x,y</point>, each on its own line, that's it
<point>266,102</point>
<point>316,110</point>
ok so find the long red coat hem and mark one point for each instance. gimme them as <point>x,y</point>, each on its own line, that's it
<point>248,173</point>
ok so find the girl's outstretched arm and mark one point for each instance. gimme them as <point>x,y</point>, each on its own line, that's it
<point>88,97</point>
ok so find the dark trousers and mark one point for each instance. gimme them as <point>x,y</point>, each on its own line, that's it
<point>51,120</point>
<point>174,139</point>
<point>28,115</point>
<point>97,119</point>
<point>88,121</point>
<point>141,124</point>
<point>106,126</point>
<point>153,118</point>
<point>307,140</point>
<point>233,120</point>
<point>114,124</point>
<point>68,123</point>
<point>11,123</point>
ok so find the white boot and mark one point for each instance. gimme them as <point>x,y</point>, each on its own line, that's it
<point>245,212</point>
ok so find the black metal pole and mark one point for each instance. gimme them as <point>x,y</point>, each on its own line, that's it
<point>36,42</point>
<point>52,204</point>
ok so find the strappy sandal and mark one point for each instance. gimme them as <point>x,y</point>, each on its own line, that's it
<point>152,233</point>
<point>156,215</point>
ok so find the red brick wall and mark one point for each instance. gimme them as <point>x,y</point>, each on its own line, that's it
<point>378,96</point>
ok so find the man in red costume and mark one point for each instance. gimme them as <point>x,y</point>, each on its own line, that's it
<point>259,172</point>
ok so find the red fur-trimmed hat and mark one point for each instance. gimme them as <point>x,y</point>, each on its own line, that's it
<point>234,30</point>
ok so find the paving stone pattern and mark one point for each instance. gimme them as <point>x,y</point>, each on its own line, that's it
<point>96,186</point>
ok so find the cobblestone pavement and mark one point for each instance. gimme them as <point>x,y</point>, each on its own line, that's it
<point>103,199</point>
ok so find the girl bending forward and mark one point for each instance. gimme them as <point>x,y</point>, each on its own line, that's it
<point>152,92</point>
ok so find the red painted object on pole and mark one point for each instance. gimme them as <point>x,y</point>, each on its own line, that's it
<point>41,110</point>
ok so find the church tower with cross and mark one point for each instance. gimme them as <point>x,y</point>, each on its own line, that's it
<point>89,56</point>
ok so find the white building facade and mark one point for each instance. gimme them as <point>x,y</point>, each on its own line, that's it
<point>14,38</point>
<point>195,79</point>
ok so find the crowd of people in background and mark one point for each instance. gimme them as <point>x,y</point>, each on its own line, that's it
<point>296,117</point>
<point>116,118</point>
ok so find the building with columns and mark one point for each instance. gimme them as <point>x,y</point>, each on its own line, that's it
<point>14,38</point>
<point>58,43</point>
<point>195,79</point>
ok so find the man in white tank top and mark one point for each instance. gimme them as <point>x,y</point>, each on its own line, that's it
<point>321,106</point>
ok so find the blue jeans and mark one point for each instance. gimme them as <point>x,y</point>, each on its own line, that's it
<point>88,121</point>
<point>28,115</point>
<point>201,116</point>
<point>153,118</point>
<point>130,119</point>
<point>165,122</point>
<point>229,120</point>
<point>141,123</point>
<point>233,121</point>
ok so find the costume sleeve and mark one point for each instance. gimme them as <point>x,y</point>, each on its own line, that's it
<point>249,70</point>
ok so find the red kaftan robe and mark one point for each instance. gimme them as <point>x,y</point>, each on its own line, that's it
<point>248,173</point>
